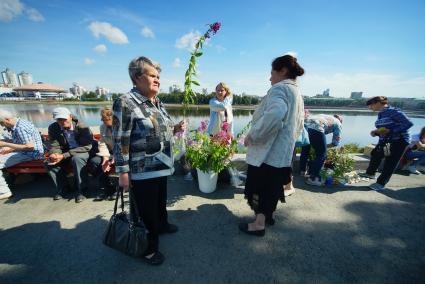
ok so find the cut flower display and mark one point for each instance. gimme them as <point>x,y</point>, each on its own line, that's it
<point>210,153</point>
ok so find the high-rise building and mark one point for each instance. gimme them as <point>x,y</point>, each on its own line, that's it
<point>77,90</point>
<point>24,78</point>
<point>9,78</point>
<point>102,91</point>
<point>356,95</point>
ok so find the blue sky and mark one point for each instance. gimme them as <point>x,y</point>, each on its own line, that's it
<point>372,46</point>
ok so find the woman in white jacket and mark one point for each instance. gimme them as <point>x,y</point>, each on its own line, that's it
<point>221,110</point>
<point>276,124</point>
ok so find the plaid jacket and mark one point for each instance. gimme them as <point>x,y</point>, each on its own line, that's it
<point>143,137</point>
<point>24,132</point>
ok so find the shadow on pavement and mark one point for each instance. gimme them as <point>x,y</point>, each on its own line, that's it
<point>413,195</point>
<point>381,242</point>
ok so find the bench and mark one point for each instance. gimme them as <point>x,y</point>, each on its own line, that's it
<point>36,166</point>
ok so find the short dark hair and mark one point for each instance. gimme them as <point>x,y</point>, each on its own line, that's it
<point>289,62</point>
<point>378,99</point>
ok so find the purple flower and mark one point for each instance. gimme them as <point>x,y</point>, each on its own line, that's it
<point>215,27</point>
<point>190,142</point>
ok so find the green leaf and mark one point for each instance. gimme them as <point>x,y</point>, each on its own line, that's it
<point>198,54</point>
<point>196,83</point>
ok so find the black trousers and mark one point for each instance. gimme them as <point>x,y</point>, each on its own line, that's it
<point>151,198</point>
<point>397,149</point>
<point>94,167</point>
<point>264,187</point>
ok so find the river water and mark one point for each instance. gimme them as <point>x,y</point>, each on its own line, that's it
<point>356,126</point>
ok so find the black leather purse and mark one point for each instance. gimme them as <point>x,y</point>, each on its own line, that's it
<point>126,233</point>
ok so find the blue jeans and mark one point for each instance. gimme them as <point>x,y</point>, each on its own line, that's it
<point>318,142</point>
<point>418,157</point>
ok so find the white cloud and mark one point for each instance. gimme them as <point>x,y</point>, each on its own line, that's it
<point>34,15</point>
<point>10,9</point>
<point>88,61</point>
<point>111,33</point>
<point>147,32</point>
<point>188,40</point>
<point>101,49</point>
<point>177,63</point>
<point>292,53</point>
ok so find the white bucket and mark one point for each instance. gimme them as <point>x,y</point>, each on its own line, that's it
<point>207,181</point>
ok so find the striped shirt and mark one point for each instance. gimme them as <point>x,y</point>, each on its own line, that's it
<point>24,132</point>
<point>396,121</point>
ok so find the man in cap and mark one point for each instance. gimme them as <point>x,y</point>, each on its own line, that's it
<point>71,142</point>
<point>26,145</point>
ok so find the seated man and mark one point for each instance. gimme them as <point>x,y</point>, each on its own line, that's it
<point>26,145</point>
<point>71,142</point>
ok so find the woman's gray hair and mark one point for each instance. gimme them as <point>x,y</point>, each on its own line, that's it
<point>5,114</point>
<point>137,67</point>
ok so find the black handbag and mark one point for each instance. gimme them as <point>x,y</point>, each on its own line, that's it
<point>125,234</point>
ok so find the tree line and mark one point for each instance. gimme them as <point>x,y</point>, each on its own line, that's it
<point>176,97</point>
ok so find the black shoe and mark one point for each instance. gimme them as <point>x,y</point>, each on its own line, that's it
<point>169,229</point>
<point>58,196</point>
<point>101,197</point>
<point>157,259</point>
<point>244,228</point>
<point>270,221</point>
<point>79,198</point>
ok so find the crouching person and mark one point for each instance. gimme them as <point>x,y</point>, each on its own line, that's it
<point>71,143</point>
<point>26,145</point>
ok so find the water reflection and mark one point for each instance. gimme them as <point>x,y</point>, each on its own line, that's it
<point>357,124</point>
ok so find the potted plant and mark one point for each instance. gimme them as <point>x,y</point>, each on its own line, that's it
<point>209,154</point>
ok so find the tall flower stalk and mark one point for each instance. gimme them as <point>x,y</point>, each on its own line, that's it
<point>190,75</point>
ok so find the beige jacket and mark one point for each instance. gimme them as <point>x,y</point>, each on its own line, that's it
<point>105,142</point>
<point>276,124</point>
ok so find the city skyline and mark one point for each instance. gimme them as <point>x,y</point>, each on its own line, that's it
<point>372,47</point>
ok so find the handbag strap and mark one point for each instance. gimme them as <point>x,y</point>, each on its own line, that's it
<point>134,210</point>
<point>120,194</point>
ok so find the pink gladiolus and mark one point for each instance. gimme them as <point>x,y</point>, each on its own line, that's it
<point>215,27</point>
<point>225,126</point>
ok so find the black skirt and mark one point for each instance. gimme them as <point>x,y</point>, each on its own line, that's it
<point>264,187</point>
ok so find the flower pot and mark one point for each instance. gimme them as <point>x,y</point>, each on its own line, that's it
<point>207,181</point>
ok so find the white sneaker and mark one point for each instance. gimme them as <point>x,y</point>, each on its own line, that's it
<point>303,174</point>
<point>376,186</point>
<point>188,177</point>
<point>413,170</point>
<point>288,192</point>
<point>5,195</point>
<point>315,181</point>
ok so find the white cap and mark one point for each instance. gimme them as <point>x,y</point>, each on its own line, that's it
<point>61,112</point>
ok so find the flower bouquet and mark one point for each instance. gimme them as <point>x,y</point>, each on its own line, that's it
<point>209,154</point>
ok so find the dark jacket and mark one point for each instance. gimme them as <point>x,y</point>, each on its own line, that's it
<point>59,144</point>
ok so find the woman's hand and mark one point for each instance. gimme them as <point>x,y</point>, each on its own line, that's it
<point>180,127</point>
<point>106,164</point>
<point>124,180</point>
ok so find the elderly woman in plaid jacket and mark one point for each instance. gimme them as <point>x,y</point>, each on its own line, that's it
<point>143,137</point>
